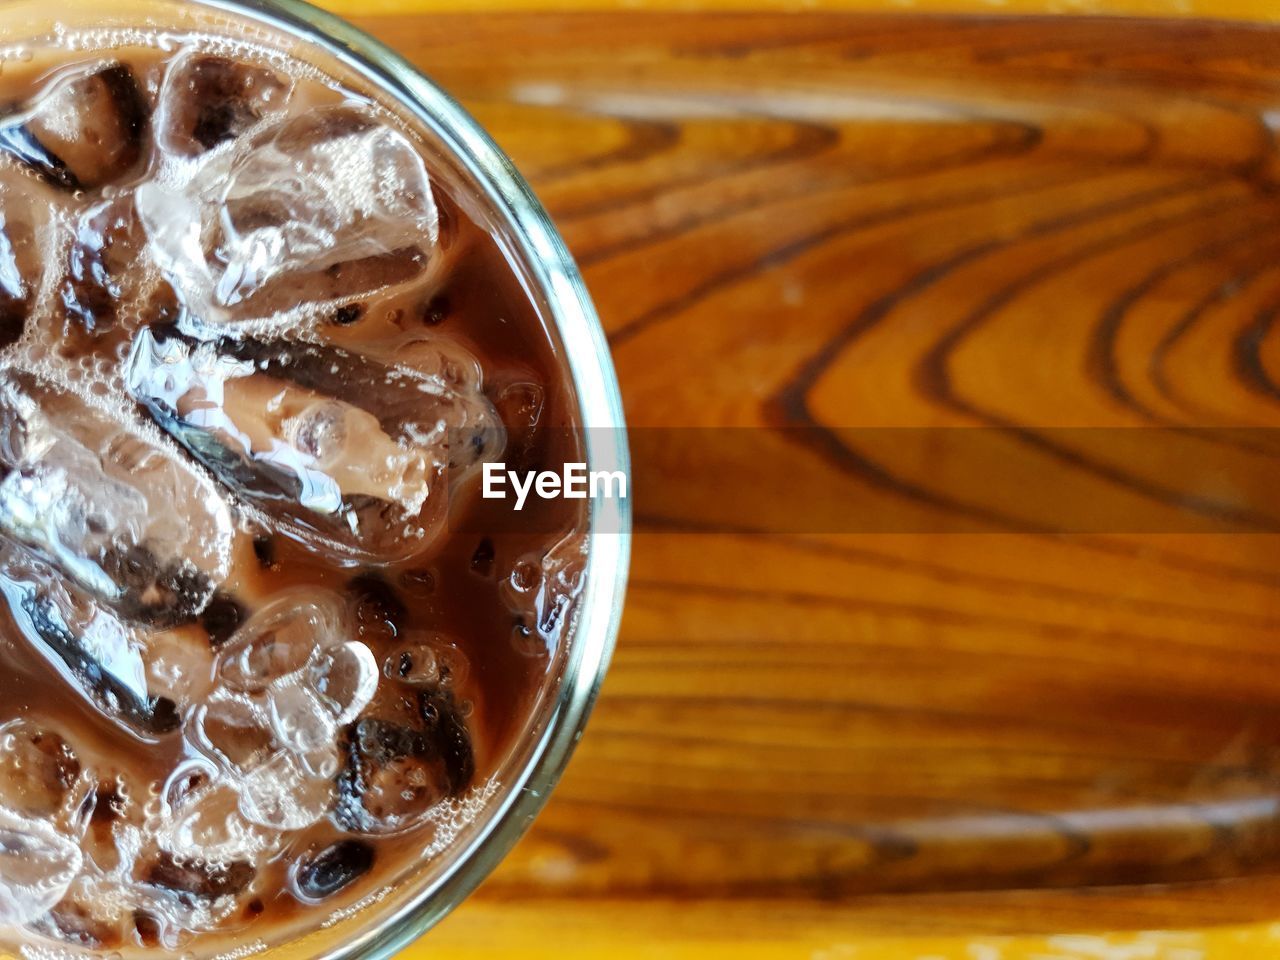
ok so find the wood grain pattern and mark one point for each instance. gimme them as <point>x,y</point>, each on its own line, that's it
<point>856,221</point>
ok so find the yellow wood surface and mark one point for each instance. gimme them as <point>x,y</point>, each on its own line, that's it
<point>906,747</point>
<point>1236,9</point>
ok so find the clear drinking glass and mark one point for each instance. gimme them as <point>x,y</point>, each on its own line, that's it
<point>464,153</point>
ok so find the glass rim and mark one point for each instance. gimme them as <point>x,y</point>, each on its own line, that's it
<point>599,610</point>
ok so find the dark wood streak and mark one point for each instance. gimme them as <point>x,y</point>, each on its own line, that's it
<point>1190,319</point>
<point>1015,139</point>
<point>645,139</point>
<point>1247,358</point>
<point>810,140</point>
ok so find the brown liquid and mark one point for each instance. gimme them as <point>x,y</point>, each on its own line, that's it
<point>107,778</point>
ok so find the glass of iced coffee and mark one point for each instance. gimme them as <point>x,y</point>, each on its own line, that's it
<point>276,676</point>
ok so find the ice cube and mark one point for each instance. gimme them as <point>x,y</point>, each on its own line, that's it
<point>40,773</point>
<point>80,923</point>
<point>97,653</point>
<point>37,865</point>
<point>277,786</point>
<point>100,268</point>
<point>365,477</point>
<point>207,100</point>
<point>521,407</point>
<point>541,590</point>
<point>426,659</point>
<point>446,730</point>
<point>379,613</point>
<point>334,868</point>
<point>289,679</point>
<point>19,261</point>
<point>221,618</point>
<point>84,130</point>
<point>199,819</point>
<point>196,878</point>
<point>331,204</point>
<point>389,780</point>
<point>178,665</point>
<point>285,793</point>
<point>302,636</point>
<point>98,501</point>
<point>114,827</point>
<point>396,771</point>
<point>161,869</point>
<point>100,914</point>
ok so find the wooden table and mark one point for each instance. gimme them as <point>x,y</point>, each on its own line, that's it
<point>861,745</point>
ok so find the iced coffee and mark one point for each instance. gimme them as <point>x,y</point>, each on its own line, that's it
<point>255,345</point>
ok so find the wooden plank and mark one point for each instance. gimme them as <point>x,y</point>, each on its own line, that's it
<point>764,930</point>
<point>811,739</point>
<point>1260,10</point>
